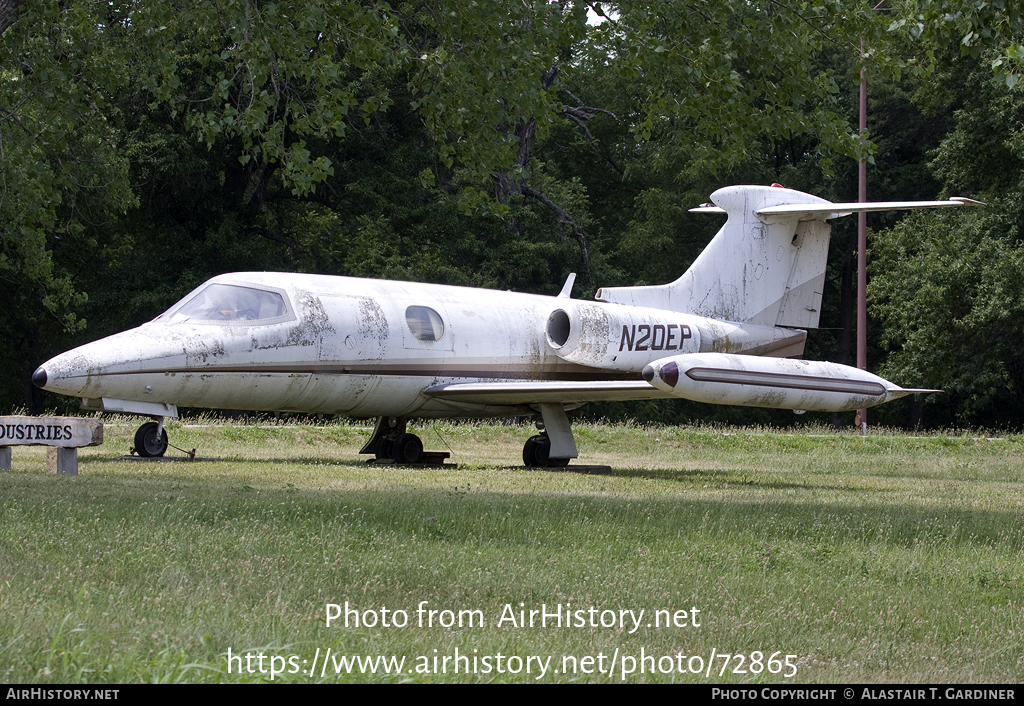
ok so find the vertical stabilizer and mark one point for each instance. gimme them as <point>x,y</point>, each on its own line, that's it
<point>764,269</point>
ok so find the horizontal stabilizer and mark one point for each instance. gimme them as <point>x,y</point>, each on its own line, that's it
<point>834,210</point>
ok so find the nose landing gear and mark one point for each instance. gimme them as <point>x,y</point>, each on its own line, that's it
<point>151,439</point>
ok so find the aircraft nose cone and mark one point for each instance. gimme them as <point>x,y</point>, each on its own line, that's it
<point>39,377</point>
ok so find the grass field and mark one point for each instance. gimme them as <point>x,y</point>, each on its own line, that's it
<point>839,558</point>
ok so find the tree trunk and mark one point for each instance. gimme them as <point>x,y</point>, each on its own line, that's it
<point>9,10</point>
<point>509,186</point>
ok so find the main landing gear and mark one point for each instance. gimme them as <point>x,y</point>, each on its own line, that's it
<point>402,448</point>
<point>554,446</point>
<point>390,442</point>
<point>537,453</point>
<point>151,439</point>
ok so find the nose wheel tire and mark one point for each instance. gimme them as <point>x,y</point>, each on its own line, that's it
<point>148,443</point>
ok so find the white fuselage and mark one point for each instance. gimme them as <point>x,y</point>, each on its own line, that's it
<point>348,346</point>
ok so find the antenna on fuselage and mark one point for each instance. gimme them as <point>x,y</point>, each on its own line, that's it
<point>566,292</point>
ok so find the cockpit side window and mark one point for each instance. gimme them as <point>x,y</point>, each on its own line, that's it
<point>231,303</point>
<point>425,323</point>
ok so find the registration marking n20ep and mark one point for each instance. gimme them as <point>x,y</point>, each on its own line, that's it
<point>659,337</point>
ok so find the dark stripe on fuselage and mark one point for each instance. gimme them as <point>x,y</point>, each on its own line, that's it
<point>568,372</point>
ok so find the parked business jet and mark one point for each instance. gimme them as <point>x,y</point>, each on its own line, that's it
<point>729,331</point>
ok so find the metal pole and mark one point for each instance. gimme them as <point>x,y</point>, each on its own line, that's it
<point>862,244</point>
<point>862,236</point>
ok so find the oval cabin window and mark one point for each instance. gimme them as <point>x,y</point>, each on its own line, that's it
<point>424,322</point>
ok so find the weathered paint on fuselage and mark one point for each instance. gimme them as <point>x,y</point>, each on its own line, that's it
<point>346,350</point>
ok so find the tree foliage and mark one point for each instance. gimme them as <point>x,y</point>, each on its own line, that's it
<point>990,28</point>
<point>950,294</point>
<point>147,146</point>
<point>949,288</point>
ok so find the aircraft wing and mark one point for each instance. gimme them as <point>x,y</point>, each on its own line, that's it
<point>554,392</point>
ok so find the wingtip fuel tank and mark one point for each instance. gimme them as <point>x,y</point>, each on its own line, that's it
<point>778,383</point>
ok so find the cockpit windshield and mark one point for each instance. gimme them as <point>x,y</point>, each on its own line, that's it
<point>228,303</point>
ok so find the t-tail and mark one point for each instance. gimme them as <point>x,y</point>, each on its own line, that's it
<point>766,265</point>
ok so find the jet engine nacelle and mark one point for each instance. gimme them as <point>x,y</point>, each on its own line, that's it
<point>780,383</point>
<point>627,338</point>
<point>619,337</point>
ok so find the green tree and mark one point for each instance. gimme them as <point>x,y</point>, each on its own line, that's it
<point>990,28</point>
<point>62,176</point>
<point>949,288</point>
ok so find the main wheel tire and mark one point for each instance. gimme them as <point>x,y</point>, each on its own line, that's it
<point>541,451</point>
<point>148,443</point>
<point>383,449</point>
<point>408,449</point>
<point>536,452</point>
<point>530,452</point>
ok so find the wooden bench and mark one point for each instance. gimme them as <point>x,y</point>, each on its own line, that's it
<point>64,435</point>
